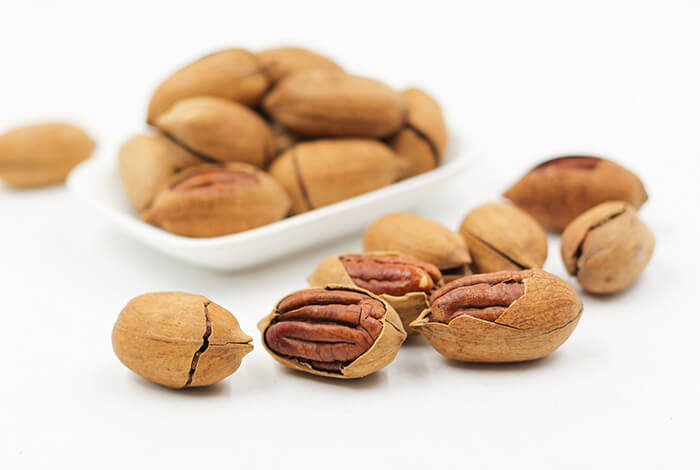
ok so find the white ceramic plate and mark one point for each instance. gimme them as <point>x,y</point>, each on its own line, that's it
<point>96,181</point>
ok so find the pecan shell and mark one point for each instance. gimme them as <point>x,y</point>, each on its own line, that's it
<point>335,331</point>
<point>558,190</point>
<point>211,200</point>
<point>607,247</point>
<point>507,316</point>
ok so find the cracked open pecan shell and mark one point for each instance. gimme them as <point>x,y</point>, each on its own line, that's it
<point>179,340</point>
<point>335,331</point>
<point>507,316</point>
<point>607,247</point>
<point>402,281</point>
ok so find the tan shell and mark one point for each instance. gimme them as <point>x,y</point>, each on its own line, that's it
<point>607,247</point>
<point>233,74</point>
<point>179,340</point>
<point>42,154</point>
<point>219,213</point>
<point>532,327</point>
<point>557,191</point>
<point>415,150</point>
<point>321,172</point>
<point>283,61</point>
<point>332,271</point>
<point>220,130</point>
<point>502,237</point>
<point>329,103</point>
<point>380,355</point>
<point>416,236</point>
<point>146,163</point>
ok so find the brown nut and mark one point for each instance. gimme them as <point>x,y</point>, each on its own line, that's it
<point>423,139</point>
<point>329,103</point>
<point>42,154</point>
<point>234,74</point>
<point>402,281</point>
<point>508,316</point>
<point>321,172</point>
<point>210,201</point>
<point>219,130</point>
<point>283,61</point>
<point>607,247</point>
<point>336,331</point>
<point>501,237</point>
<point>179,340</point>
<point>420,238</point>
<point>557,191</point>
<point>146,163</point>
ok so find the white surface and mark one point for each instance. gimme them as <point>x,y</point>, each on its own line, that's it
<point>96,181</point>
<point>519,81</point>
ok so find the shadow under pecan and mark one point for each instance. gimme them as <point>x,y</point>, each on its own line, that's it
<point>483,296</point>
<point>326,328</point>
<point>393,275</point>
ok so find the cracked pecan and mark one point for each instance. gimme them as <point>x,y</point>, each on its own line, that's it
<point>179,340</point>
<point>209,200</point>
<point>607,247</point>
<point>328,330</point>
<point>506,316</point>
<point>393,275</point>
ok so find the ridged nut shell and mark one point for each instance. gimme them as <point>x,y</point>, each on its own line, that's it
<point>220,130</point>
<point>321,172</point>
<point>607,247</point>
<point>408,306</point>
<point>42,154</point>
<point>329,103</point>
<point>532,327</point>
<point>179,340</point>
<point>559,190</point>
<point>416,236</point>
<point>210,201</point>
<point>234,74</point>
<point>379,355</point>
<point>146,164</point>
<point>502,237</point>
<point>283,61</point>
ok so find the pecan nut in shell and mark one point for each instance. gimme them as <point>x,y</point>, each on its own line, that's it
<point>507,316</point>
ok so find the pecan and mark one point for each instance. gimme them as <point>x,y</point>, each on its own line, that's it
<point>215,181</point>
<point>570,163</point>
<point>483,296</point>
<point>393,275</point>
<point>326,328</point>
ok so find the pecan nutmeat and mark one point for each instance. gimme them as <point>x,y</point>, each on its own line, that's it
<point>393,275</point>
<point>483,296</point>
<point>326,328</point>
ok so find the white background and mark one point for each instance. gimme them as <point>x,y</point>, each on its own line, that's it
<point>519,82</point>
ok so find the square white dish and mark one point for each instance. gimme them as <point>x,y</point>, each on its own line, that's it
<point>96,181</point>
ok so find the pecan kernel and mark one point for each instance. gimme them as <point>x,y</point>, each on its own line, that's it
<point>326,328</point>
<point>393,275</point>
<point>483,296</point>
